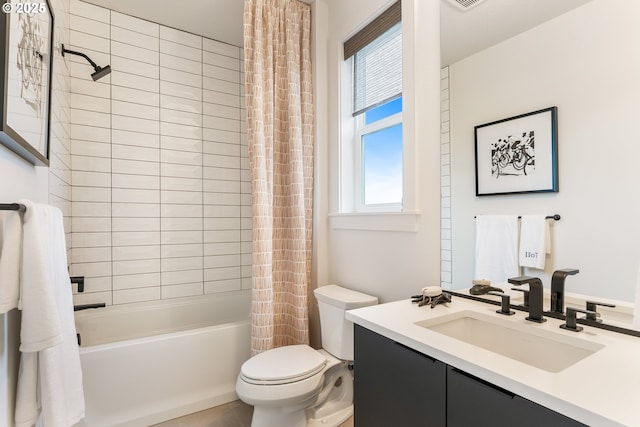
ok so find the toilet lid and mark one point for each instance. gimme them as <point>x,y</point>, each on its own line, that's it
<point>283,364</point>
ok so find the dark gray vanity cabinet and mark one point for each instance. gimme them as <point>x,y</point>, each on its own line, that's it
<point>398,386</point>
<point>395,385</point>
<point>474,402</point>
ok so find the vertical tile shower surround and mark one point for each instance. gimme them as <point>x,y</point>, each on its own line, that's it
<point>59,139</point>
<point>161,203</point>
<point>445,182</point>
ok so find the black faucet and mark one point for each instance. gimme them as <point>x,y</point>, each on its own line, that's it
<point>557,288</point>
<point>535,296</point>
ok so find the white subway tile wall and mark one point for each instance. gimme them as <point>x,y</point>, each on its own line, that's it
<point>60,159</point>
<point>445,182</point>
<point>161,200</point>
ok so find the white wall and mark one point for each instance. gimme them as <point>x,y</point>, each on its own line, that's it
<point>20,179</point>
<point>586,63</point>
<point>389,264</point>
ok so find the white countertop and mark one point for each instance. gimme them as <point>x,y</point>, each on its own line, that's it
<point>600,390</point>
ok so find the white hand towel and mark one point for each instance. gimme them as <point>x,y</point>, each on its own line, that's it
<point>50,379</point>
<point>10,252</point>
<point>534,241</point>
<point>496,247</point>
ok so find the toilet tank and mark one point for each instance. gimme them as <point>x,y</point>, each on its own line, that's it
<point>336,330</point>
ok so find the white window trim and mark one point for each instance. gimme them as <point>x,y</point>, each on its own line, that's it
<point>347,217</point>
<point>405,221</point>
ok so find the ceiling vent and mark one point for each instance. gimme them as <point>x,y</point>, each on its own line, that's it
<point>465,4</point>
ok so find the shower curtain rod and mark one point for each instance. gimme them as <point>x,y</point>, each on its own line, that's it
<point>554,217</point>
<point>12,207</point>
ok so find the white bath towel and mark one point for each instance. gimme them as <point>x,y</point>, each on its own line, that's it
<point>10,252</point>
<point>50,379</point>
<point>496,247</point>
<point>534,241</point>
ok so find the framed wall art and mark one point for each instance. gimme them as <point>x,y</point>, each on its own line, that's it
<point>26,52</point>
<point>518,154</point>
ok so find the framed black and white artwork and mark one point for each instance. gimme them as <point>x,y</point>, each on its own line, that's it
<point>26,52</point>
<point>518,154</point>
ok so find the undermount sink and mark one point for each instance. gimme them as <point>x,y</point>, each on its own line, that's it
<point>525,343</point>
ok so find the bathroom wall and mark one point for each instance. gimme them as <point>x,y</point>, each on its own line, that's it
<point>584,68</point>
<point>586,63</point>
<point>389,264</point>
<point>161,191</point>
<point>20,179</point>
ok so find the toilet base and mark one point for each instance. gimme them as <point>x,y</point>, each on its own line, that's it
<point>332,420</point>
<point>276,417</point>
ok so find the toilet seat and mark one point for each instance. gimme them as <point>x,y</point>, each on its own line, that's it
<point>283,365</point>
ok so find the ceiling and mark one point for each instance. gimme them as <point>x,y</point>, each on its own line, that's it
<point>463,33</point>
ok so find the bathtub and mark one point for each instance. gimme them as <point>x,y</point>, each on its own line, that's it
<point>147,363</point>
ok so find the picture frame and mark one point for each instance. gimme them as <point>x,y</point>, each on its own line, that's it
<point>518,154</point>
<point>25,78</point>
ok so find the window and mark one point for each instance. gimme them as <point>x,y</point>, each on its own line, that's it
<point>375,59</point>
<point>380,152</point>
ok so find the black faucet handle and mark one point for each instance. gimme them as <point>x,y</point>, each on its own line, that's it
<point>80,281</point>
<point>505,307</point>
<point>591,306</point>
<point>571,318</point>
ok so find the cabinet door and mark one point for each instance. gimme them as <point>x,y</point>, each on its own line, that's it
<point>543,416</point>
<point>474,402</point>
<point>395,385</point>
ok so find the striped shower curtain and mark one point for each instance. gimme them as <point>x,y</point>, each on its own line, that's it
<point>280,119</point>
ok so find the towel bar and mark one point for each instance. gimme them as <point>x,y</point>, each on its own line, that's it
<point>12,207</point>
<point>554,217</point>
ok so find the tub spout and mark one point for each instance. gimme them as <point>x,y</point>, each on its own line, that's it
<point>88,306</point>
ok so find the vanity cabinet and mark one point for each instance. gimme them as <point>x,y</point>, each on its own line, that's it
<point>398,386</point>
<point>395,385</point>
<point>475,402</point>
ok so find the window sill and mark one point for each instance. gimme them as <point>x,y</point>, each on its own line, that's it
<point>376,221</point>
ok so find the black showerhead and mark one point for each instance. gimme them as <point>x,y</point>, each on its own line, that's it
<point>99,73</point>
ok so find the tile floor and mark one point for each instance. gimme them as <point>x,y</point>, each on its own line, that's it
<point>233,414</point>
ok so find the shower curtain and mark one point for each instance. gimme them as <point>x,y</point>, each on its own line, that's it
<point>280,135</point>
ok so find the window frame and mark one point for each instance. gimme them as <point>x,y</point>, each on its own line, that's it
<point>344,215</point>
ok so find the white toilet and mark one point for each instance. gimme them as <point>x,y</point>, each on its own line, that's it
<point>297,386</point>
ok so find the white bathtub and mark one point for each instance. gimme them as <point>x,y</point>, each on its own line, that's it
<point>147,363</point>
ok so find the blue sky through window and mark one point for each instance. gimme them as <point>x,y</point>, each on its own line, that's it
<point>383,111</point>
<point>382,157</point>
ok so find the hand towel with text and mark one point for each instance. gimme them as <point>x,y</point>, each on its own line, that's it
<point>534,241</point>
